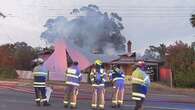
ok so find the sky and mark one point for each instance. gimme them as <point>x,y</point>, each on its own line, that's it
<point>147,22</point>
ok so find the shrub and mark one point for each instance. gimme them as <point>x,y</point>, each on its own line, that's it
<point>8,73</point>
<point>180,57</point>
<point>185,79</point>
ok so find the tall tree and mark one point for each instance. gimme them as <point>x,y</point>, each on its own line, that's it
<point>193,20</point>
<point>18,55</point>
<point>180,58</point>
<point>156,52</point>
<point>7,55</point>
<point>89,29</point>
<point>2,15</point>
<point>24,54</point>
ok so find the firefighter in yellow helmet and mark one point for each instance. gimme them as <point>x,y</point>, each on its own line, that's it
<point>140,85</point>
<point>97,78</point>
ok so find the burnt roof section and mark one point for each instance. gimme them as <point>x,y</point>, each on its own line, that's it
<point>91,56</point>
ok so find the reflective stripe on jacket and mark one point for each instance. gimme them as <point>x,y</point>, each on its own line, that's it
<point>140,77</point>
<point>73,76</point>
<point>117,77</point>
<point>98,77</point>
<point>140,84</point>
<point>40,74</point>
<point>139,91</point>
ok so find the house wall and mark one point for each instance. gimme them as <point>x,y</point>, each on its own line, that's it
<point>127,68</point>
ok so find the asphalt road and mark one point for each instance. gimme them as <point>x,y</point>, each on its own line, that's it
<point>14,100</point>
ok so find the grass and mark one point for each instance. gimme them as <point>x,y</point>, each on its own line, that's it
<point>166,89</point>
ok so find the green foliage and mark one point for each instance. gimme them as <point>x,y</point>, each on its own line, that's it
<point>193,20</point>
<point>185,79</point>
<point>180,57</point>
<point>2,15</point>
<point>155,52</point>
<point>8,73</point>
<point>24,55</point>
<point>7,55</point>
<point>18,55</point>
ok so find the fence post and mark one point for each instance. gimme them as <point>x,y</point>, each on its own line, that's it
<point>171,79</point>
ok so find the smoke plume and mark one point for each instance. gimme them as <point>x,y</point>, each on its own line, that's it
<point>89,29</point>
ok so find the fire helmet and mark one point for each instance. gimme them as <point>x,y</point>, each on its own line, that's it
<point>38,61</point>
<point>140,63</point>
<point>116,65</point>
<point>98,62</point>
<point>75,63</point>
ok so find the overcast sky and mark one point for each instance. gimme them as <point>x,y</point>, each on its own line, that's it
<point>147,22</point>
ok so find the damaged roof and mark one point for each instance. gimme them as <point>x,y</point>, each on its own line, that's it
<point>91,56</point>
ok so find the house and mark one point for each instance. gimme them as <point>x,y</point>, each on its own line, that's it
<point>58,61</point>
<point>128,60</point>
<point>65,53</point>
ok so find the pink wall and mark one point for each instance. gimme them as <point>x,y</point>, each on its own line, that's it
<point>57,62</point>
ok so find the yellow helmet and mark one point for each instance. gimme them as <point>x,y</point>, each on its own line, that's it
<point>98,62</point>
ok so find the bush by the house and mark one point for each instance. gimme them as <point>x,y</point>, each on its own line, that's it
<point>8,73</point>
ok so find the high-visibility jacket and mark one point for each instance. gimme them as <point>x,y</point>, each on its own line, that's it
<point>98,77</point>
<point>140,77</point>
<point>40,74</point>
<point>117,77</point>
<point>73,76</point>
<point>140,84</point>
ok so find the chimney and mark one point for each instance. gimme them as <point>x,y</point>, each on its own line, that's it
<point>129,43</point>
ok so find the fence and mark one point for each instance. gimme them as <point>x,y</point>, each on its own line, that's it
<point>24,74</point>
<point>28,75</point>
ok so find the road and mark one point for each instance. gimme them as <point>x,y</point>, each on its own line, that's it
<point>16,100</point>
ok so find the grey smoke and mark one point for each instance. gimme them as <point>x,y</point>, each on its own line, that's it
<point>89,29</point>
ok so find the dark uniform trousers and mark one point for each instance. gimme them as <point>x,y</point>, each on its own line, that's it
<point>138,104</point>
<point>139,92</point>
<point>40,94</point>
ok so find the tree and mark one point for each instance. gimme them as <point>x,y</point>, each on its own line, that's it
<point>2,15</point>
<point>89,29</point>
<point>156,52</point>
<point>7,61</point>
<point>180,58</point>
<point>24,54</point>
<point>148,54</point>
<point>7,55</point>
<point>193,20</point>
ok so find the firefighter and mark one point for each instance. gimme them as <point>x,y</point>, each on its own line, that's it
<point>73,77</point>
<point>140,85</point>
<point>98,77</point>
<point>118,79</point>
<point>40,74</point>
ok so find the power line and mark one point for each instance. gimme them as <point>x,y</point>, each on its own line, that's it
<point>133,11</point>
<point>130,8</point>
<point>119,7</point>
<point>124,15</point>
